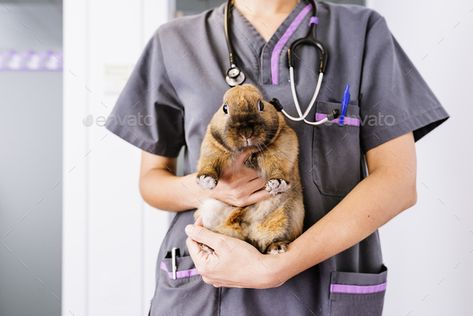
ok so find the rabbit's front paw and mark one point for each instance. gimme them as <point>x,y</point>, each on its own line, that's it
<point>277,248</point>
<point>276,186</point>
<point>206,182</point>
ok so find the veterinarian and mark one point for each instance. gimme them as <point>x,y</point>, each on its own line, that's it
<point>356,176</point>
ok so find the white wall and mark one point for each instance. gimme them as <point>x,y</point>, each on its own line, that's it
<point>110,238</point>
<point>429,249</point>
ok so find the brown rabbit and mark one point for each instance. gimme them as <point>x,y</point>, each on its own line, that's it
<point>246,122</point>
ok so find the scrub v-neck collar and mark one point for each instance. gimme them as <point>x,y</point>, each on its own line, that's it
<point>249,27</point>
<point>269,53</point>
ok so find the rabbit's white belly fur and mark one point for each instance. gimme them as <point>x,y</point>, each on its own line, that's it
<point>214,212</point>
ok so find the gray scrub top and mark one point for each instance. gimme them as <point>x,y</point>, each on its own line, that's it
<point>178,84</point>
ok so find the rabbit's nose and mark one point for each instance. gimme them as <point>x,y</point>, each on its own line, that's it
<point>246,132</point>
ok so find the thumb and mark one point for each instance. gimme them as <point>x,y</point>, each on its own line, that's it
<point>205,236</point>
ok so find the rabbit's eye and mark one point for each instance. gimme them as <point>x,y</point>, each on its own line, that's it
<point>225,108</point>
<point>260,106</point>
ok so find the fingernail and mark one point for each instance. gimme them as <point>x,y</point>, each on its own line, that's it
<point>188,229</point>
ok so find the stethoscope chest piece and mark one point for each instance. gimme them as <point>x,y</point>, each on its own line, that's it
<point>234,76</point>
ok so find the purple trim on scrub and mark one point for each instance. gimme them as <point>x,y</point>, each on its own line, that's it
<point>282,41</point>
<point>179,274</point>
<point>314,20</point>
<point>357,289</point>
<point>352,121</point>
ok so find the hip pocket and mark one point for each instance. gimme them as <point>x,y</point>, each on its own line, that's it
<point>185,270</point>
<point>183,292</point>
<point>336,154</point>
<point>357,294</point>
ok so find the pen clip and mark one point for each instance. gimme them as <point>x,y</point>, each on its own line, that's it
<point>174,253</point>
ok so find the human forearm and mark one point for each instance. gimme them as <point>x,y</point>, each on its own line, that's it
<point>162,189</point>
<point>372,203</point>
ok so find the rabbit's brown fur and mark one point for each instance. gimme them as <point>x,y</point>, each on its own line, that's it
<point>271,224</point>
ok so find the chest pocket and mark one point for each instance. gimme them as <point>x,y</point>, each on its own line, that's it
<point>336,156</point>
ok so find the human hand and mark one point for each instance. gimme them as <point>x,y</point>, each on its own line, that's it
<point>239,185</point>
<point>234,263</point>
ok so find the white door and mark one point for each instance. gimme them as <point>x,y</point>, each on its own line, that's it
<point>110,237</point>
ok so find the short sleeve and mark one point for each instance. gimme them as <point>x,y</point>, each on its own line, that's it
<point>148,113</point>
<point>394,98</point>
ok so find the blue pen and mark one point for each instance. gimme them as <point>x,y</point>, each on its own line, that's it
<point>346,100</point>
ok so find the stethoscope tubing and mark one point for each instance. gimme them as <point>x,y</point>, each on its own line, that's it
<point>302,116</point>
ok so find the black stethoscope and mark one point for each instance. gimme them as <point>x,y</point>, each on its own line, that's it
<point>234,76</point>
